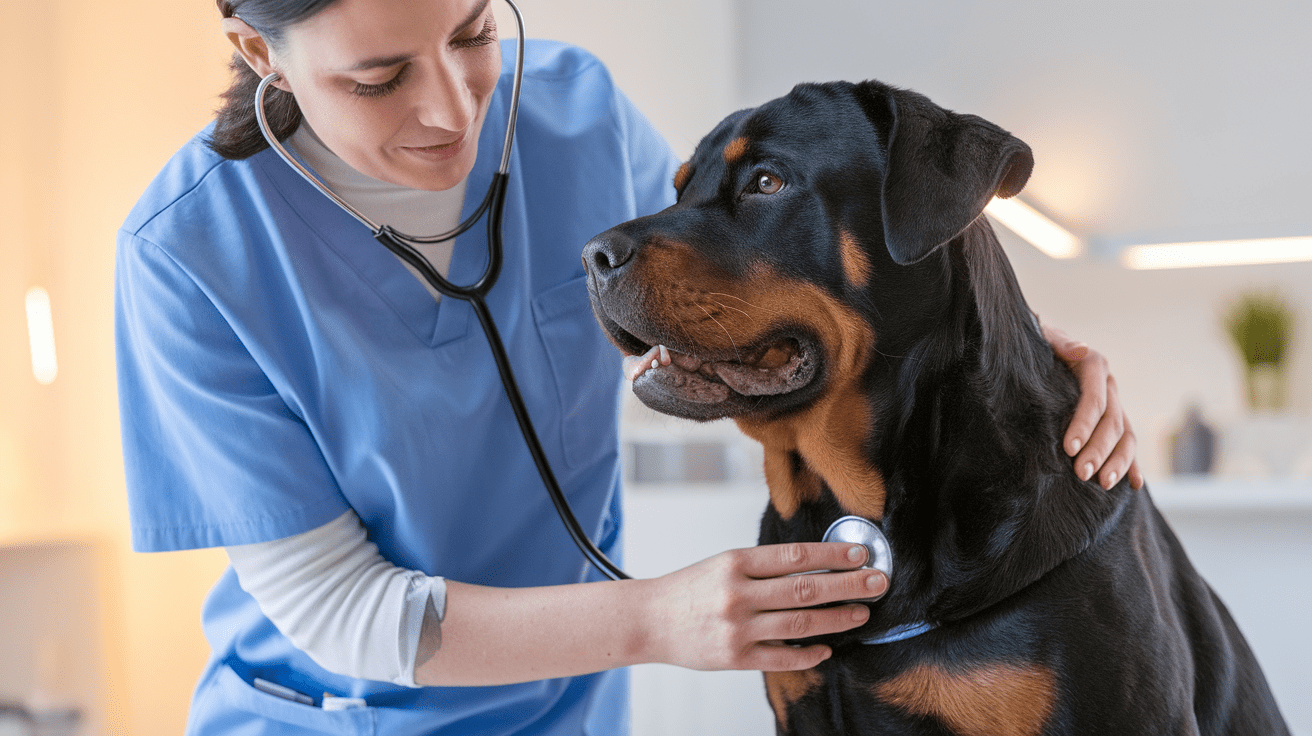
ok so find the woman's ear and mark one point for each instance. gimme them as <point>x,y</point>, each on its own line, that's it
<point>252,47</point>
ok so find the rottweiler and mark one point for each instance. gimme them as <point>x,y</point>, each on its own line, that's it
<point>826,280</point>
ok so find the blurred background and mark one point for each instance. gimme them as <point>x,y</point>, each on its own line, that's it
<point>1151,122</point>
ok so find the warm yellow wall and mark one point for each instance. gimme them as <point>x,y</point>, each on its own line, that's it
<point>98,95</point>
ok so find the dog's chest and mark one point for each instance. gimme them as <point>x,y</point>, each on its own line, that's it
<point>997,699</point>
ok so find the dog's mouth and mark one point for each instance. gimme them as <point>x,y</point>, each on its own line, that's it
<point>694,384</point>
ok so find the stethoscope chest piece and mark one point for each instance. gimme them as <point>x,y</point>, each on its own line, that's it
<point>856,530</point>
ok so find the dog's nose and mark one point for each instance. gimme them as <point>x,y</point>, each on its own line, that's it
<point>605,255</point>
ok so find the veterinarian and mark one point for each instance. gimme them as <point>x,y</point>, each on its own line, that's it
<point>291,392</point>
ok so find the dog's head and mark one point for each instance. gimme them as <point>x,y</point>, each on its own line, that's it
<point>803,236</point>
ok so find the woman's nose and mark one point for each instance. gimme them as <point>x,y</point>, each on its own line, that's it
<point>446,102</point>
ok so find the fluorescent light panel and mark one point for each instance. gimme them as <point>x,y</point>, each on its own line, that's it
<point>1036,229</point>
<point>41,335</point>
<point>1218,253</point>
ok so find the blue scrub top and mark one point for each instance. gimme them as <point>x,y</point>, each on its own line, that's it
<point>277,366</point>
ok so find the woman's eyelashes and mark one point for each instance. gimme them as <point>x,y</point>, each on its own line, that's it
<point>487,35</point>
<point>384,89</point>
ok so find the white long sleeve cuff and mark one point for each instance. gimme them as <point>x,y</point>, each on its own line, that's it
<point>338,600</point>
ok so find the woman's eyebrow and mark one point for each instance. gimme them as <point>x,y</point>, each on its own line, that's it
<point>379,62</point>
<point>386,61</point>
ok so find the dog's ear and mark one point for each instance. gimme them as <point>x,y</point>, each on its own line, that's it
<point>942,169</point>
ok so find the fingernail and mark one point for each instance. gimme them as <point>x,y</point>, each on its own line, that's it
<point>1086,472</point>
<point>856,553</point>
<point>1075,445</point>
<point>1111,479</point>
<point>665,355</point>
<point>877,583</point>
<point>860,613</point>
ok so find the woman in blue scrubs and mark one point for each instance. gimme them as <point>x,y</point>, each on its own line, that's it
<point>291,392</point>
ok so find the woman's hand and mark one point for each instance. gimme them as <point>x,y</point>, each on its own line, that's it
<point>1099,437</point>
<point>734,610</point>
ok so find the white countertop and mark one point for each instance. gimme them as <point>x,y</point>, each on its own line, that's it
<point>1206,493</point>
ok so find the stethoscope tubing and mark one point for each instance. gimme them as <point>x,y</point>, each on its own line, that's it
<point>475,294</point>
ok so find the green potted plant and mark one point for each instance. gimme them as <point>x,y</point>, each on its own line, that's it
<point>1259,324</point>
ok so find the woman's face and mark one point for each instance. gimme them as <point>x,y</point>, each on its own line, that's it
<point>397,88</point>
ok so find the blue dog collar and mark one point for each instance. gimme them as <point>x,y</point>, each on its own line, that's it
<point>900,633</point>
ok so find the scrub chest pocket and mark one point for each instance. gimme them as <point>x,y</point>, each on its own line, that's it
<point>585,368</point>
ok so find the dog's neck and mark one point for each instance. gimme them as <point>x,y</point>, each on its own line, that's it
<point>959,455</point>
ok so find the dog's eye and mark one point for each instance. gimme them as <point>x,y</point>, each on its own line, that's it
<point>767,183</point>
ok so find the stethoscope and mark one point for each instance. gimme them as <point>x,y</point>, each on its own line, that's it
<point>847,529</point>
<point>475,293</point>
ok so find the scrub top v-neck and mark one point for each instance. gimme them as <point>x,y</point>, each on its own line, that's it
<point>277,367</point>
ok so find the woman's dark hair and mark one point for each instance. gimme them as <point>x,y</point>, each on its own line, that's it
<point>236,132</point>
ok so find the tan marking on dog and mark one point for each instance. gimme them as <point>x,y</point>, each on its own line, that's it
<point>831,434</point>
<point>682,176</point>
<point>735,150</point>
<point>789,485</point>
<point>856,264</point>
<point>693,301</point>
<point>783,689</point>
<point>996,700</point>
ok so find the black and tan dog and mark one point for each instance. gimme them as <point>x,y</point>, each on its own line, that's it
<point>826,279</point>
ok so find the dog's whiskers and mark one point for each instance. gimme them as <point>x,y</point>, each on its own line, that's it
<point>744,301</point>
<point>722,305</point>
<point>727,334</point>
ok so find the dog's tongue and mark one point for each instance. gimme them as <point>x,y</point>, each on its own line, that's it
<point>776,370</point>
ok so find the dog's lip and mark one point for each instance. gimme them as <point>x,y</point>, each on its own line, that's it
<point>773,367</point>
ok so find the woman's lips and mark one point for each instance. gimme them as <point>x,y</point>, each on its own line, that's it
<point>440,151</point>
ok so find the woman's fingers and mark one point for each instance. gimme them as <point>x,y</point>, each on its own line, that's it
<point>780,657</point>
<point>1095,385</point>
<point>1102,441</point>
<point>807,622</point>
<point>820,589</point>
<point>1099,436</point>
<point>775,560</point>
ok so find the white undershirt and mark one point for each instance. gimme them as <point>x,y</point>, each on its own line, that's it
<point>410,211</point>
<point>335,597</point>
<point>329,590</point>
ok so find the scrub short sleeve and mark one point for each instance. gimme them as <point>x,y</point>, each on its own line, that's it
<point>212,453</point>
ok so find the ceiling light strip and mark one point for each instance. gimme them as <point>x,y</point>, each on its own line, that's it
<point>1036,229</point>
<point>1218,253</point>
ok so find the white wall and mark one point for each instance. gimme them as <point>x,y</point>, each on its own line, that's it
<point>677,59</point>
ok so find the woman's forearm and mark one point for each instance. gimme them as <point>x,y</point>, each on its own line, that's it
<point>497,636</point>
